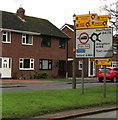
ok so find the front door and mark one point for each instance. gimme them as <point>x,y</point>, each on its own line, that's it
<point>5,67</point>
<point>62,68</point>
<point>91,68</point>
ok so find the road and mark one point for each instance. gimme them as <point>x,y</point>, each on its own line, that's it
<point>46,85</point>
<point>99,116</point>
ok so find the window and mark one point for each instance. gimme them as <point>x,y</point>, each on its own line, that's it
<point>114,64</point>
<point>26,64</point>
<point>61,44</point>
<point>80,65</point>
<point>27,39</point>
<point>0,62</point>
<point>6,37</point>
<point>45,65</point>
<point>115,50</point>
<point>46,41</point>
<point>116,69</point>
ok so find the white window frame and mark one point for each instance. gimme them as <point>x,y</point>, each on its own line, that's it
<point>24,39</point>
<point>45,64</point>
<point>80,65</point>
<point>21,64</point>
<point>114,63</point>
<point>114,50</point>
<point>8,37</point>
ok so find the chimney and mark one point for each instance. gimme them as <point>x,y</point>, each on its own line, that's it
<point>21,13</point>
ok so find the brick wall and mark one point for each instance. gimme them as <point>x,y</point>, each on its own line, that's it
<point>16,50</point>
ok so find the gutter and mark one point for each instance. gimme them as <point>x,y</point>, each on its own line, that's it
<point>19,31</point>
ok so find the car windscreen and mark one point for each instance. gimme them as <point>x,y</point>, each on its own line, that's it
<point>107,69</point>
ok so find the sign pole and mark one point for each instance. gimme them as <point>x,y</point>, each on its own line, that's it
<point>74,53</point>
<point>82,76</point>
<point>104,81</point>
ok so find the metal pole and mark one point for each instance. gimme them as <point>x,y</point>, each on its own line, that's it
<point>104,81</point>
<point>82,76</point>
<point>74,52</point>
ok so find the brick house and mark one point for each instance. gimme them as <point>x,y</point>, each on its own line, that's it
<point>30,45</point>
<point>90,70</point>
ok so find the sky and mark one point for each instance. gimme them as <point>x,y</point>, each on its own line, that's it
<point>58,12</point>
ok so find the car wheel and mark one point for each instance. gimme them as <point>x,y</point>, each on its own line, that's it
<point>114,79</point>
<point>100,80</point>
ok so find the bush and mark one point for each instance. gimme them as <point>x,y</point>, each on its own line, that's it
<point>39,75</point>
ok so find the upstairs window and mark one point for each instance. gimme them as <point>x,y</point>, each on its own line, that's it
<point>27,39</point>
<point>62,44</point>
<point>46,41</point>
<point>6,37</point>
<point>115,50</point>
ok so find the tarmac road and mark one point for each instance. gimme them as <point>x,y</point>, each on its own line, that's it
<point>99,116</point>
<point>46,85</point>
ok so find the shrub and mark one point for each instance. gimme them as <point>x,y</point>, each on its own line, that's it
<point>39,75</point>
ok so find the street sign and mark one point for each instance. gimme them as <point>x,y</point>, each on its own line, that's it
<point>83,25</point>
<point>104,17</point>
<point>91,24</point>
<point>99,24</point>
<point>86,17</point>
<point>106,61</point>
<point>94,43</point>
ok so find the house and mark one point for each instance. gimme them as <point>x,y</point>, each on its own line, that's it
<point>30,45</point>
<point>90,70</point>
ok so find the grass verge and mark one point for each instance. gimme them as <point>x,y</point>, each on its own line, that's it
<point>31,103</point>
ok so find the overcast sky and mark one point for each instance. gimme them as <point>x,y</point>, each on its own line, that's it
<point>58,12</point>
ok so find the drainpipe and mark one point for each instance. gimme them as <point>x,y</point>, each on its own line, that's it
<point>67,60</point>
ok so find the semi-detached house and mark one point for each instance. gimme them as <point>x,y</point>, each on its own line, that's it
<point>29,44</point>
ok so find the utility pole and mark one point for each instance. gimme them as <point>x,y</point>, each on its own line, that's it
<point>74,54</point>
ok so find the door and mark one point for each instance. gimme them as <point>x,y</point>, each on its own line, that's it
<point>91,68</point>
<point>5,67</point>
<point>62,68</point>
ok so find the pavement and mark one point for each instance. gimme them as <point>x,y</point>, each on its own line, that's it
<point>10,83</point>
<point>61,114</point>
<point>76,113</point>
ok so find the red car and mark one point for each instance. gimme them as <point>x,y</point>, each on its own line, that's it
<point>111,74</point>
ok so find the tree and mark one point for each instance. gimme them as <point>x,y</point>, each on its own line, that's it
<point>111,9</point>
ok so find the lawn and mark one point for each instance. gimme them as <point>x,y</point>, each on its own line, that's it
<point>32,103</point>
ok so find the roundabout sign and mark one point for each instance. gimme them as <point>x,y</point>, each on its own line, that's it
<point>92,43</point>
<point>83,38</point>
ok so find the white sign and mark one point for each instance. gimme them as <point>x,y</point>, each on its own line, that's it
<point>94,43</point>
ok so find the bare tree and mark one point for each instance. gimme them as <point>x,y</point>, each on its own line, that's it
<point>111,9</point>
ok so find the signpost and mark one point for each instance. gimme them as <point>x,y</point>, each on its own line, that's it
<point>87,17</point>
<point>94,43</point>
<point>106,61</point>
<point>83,25</point>
<point>99,24</point>
<point>93,40</point>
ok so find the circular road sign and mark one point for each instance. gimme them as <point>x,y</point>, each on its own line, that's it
<point>83,38</point>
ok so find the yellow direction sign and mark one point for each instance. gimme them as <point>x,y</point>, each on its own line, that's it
<point>89,24</point>
<point>99,24</point>
<point>83,25</point>
<point>86,17</point>
<point>104,17</point>
<point>106,61</point>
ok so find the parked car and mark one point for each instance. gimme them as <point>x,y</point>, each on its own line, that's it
<point>111,74</point>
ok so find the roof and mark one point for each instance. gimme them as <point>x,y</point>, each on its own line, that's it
<point>31,24</point>
<point>71,27</point>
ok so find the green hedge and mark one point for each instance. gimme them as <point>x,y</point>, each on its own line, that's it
<point>39,75</point>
